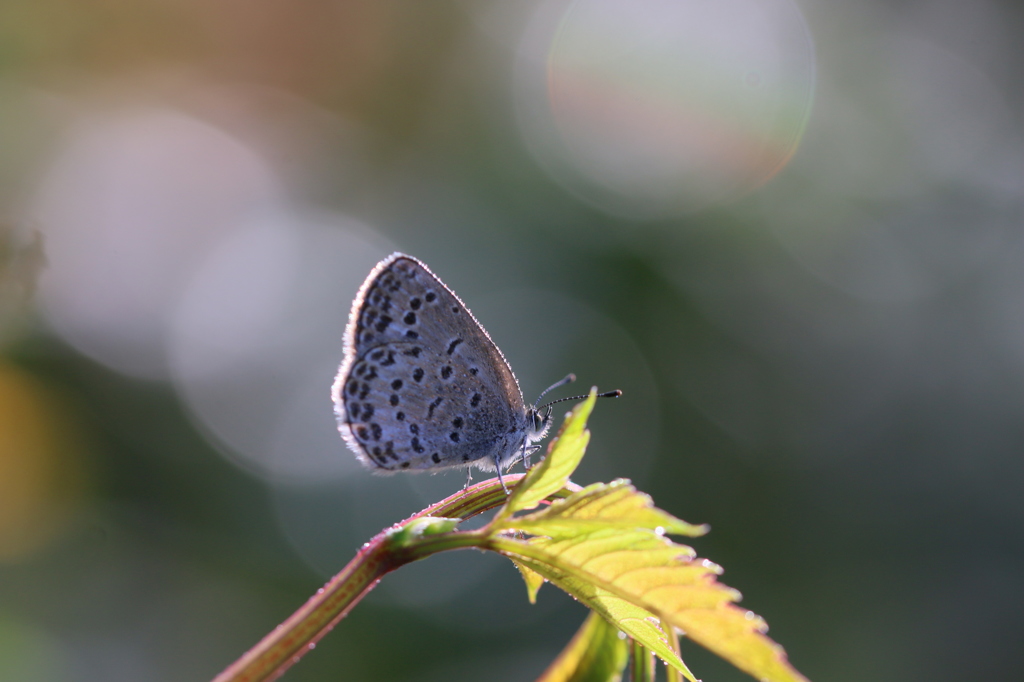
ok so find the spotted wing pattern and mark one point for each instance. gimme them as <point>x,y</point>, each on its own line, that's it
<point>422,385</point>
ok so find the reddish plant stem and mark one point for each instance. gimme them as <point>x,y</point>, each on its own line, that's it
<point>283,647</point>
<point>290,640</point>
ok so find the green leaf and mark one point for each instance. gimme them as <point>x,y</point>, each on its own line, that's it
<point>601,506</point>
<point>564,455</point>
<point>737,635</point>
<point>640,624</point>
<point>614,568</point>
<point>596,653</point>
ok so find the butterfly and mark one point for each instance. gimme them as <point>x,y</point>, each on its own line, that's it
<point>422,387</point>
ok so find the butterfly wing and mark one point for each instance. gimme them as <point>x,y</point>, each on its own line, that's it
<point>422,385</point>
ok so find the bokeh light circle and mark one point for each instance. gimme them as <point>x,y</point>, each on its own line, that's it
<point>651,108</point>
<point>130,203</point>
<point>257,337</point>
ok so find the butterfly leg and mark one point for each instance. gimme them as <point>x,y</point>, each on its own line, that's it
<point>502,481</point>
<point>526,458</point>
<point>469,477</point>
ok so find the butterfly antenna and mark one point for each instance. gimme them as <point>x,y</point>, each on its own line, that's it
<point>609,394</point>
<point>569,378</point>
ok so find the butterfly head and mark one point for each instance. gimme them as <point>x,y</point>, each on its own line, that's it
<point>538,421</point>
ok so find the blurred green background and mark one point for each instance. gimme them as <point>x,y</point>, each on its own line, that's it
<point>790,232</point>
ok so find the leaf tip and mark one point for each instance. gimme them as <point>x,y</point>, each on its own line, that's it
<point>534,581</point>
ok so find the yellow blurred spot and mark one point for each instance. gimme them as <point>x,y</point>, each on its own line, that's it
<point>40,473</point>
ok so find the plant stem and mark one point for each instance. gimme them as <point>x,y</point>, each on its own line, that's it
<point>290,640</point>
<point>641,663</point>
<point>671,674</point>
<point>287,643</point>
